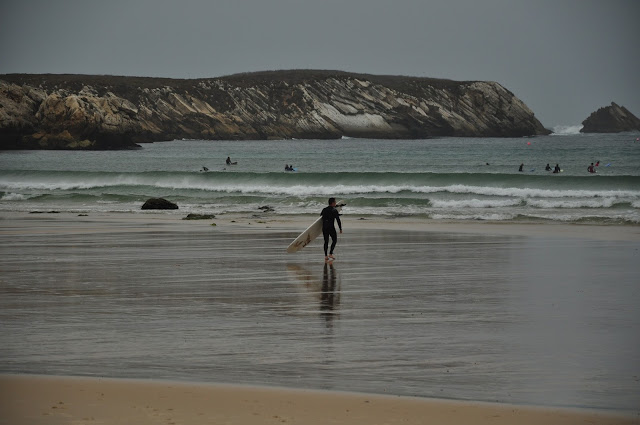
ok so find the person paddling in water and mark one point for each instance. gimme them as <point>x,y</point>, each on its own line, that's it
<point>329,215</point>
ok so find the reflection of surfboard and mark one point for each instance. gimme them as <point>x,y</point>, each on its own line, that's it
<point>305,277</point>
<point>310,233</point>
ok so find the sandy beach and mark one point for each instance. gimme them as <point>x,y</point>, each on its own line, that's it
<point>417,321</point>
<point>64,400</point>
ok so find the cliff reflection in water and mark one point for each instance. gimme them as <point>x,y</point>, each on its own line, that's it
<point>326,291</point>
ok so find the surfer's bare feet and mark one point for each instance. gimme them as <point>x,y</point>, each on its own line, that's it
<point>326,258</point>
<point>332,257</point>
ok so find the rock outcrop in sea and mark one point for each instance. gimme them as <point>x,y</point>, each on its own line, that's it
<point>159,204</point>
<point>48,111</point>
<point>611,119</point>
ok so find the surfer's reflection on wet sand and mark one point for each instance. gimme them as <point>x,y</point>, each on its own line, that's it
<point>327,290</point>
<point>328,298</point>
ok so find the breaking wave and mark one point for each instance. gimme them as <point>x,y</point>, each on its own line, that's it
<point>566,130</point>
<point>474,196</point>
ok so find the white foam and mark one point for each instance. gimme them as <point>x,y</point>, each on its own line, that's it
<point>534,193</point>
<point>14,197</point>
<point>172,183</point>
<point>489,217</point>
<point>578,203</point>
<point>475,203</point>
<point>566,130</point>
<point>313,190</point>
<point>634,218</point>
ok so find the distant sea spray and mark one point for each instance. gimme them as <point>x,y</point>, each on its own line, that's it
<point>566,130</point>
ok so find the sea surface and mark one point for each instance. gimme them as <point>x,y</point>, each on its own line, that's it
<point>447,178</point>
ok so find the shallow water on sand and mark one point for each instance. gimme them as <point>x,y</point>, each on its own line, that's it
<point>478,317</point>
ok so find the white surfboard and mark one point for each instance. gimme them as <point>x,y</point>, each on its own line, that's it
<point>311,233</point>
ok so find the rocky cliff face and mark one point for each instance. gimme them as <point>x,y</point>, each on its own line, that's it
<point>102,112</point>
<point>611,119</point>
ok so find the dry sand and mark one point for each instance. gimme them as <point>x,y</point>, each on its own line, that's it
<point>63,400</point>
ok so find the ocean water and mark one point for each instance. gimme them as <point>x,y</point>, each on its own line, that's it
<point>448,178</point>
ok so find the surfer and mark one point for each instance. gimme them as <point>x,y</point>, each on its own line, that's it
<point>591,169</point>
<point>521,166</point>
<point>557,169</point>
<point>547,168</point>
<point>329,216</point>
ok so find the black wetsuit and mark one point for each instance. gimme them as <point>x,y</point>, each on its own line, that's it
<point>329,215</point>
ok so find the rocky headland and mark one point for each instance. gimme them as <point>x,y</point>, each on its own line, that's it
<point>47,111</point>
<point>611,119</point>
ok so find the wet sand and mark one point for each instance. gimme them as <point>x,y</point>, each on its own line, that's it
<point>523,314</point>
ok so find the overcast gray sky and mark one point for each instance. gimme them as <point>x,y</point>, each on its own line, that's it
<point>563,58</point>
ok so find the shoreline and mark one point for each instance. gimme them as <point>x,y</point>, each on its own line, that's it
<point>34,399</point>
<point>297,223</point>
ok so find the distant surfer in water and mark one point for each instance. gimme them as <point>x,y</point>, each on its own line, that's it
<point>557,169</point>
<point>521,166</point>
<point>329,216</point>
<point>547,168</point>
<point>591,169</point>
<point>229,161</point>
